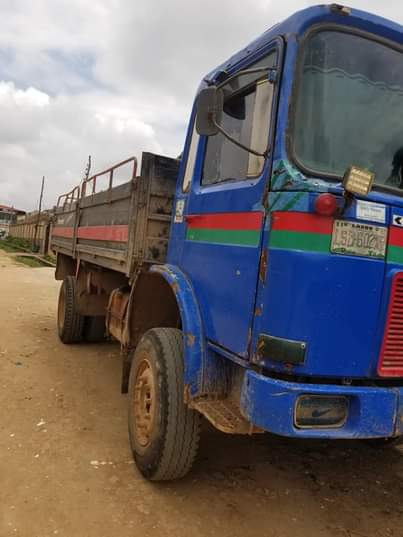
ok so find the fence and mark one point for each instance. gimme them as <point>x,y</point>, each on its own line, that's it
<point>36,231</point>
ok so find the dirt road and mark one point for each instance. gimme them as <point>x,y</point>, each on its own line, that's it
<point>66,469</point>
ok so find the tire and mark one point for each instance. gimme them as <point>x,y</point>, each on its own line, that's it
<point>164,433</point>
<point>69,322</point>
<point>94,329</point>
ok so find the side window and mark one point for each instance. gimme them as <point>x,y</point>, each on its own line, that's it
<point>190,164</point>
<point>246,117</point>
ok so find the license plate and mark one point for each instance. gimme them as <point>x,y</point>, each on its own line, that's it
<point>350,238</point>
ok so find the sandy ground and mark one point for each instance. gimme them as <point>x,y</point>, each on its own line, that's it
<point>66,469</point>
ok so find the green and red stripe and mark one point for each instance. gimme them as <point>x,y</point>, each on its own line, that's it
<point>301,231</point>
<point>289,230</point>
<point>395,246</point>
<point>313,233</point>
<point>237,229</point>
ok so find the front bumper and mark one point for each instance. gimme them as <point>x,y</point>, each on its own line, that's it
<point>270,404</point>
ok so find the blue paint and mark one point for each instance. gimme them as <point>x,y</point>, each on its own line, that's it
<point>336,304</point>
<point>335,312</point>
<point>284,201</point>
<point>399,417</point>
<point>285,176</point>
<point>194,340</point>
<point>270,403</point>
<point>224,278</point>
<point>397,212</point>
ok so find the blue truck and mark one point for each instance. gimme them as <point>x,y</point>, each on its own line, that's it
<point>258,280</point>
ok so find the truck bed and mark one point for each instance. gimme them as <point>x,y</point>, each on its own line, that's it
<point>122,226</point>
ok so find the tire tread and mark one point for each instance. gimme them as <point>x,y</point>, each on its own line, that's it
<point>72,331</point>
<point>183,427</point>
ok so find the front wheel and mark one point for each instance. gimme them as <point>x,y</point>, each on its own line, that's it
<point>164,432</point>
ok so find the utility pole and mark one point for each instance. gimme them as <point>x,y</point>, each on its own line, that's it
<point>39,214</point>
<point>88,168</point>
<point>86,175</point>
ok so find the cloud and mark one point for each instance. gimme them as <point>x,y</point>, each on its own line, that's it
<point>30,97</point>
<point>53,136</point>
<point>111,78</point>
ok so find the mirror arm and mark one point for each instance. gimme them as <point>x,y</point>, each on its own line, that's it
<point>239,144</point>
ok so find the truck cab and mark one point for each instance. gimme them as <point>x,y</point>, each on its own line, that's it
<point>283,278</point>
<point>294,279</point>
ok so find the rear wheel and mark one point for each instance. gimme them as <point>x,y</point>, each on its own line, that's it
<point>69,322</point>
<point>164,432</point>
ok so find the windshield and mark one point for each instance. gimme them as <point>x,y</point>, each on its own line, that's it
<point>349,108</point>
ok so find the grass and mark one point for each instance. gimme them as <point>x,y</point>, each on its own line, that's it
<point>14,244</point>
<point>50,258</point>
<point>33,262</point>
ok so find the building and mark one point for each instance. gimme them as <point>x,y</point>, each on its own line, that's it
<point>8,215</point>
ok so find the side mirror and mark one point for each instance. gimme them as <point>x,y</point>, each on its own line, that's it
<point>210,104</point>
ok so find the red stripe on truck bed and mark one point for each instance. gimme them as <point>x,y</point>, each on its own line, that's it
<point>66,232</point>
<point>119,233</point>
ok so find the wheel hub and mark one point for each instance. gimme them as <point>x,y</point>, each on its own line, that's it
<point>144,403</point>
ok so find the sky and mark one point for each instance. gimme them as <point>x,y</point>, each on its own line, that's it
<point>111,79</point>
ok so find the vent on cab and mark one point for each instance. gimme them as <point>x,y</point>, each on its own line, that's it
<point>391,359</point>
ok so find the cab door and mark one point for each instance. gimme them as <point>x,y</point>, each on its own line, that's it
<point>223,212</point>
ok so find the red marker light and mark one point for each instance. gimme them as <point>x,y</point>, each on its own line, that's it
<point>326,204</point>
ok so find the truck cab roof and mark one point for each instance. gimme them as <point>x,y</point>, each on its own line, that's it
<point>298,23</point>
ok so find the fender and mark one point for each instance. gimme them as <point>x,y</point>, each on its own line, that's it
<point>192,327</point>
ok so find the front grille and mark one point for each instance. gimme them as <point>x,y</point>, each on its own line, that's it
<point>391,358</point>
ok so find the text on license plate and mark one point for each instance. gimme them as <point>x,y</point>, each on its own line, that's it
<point>351,238</point>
